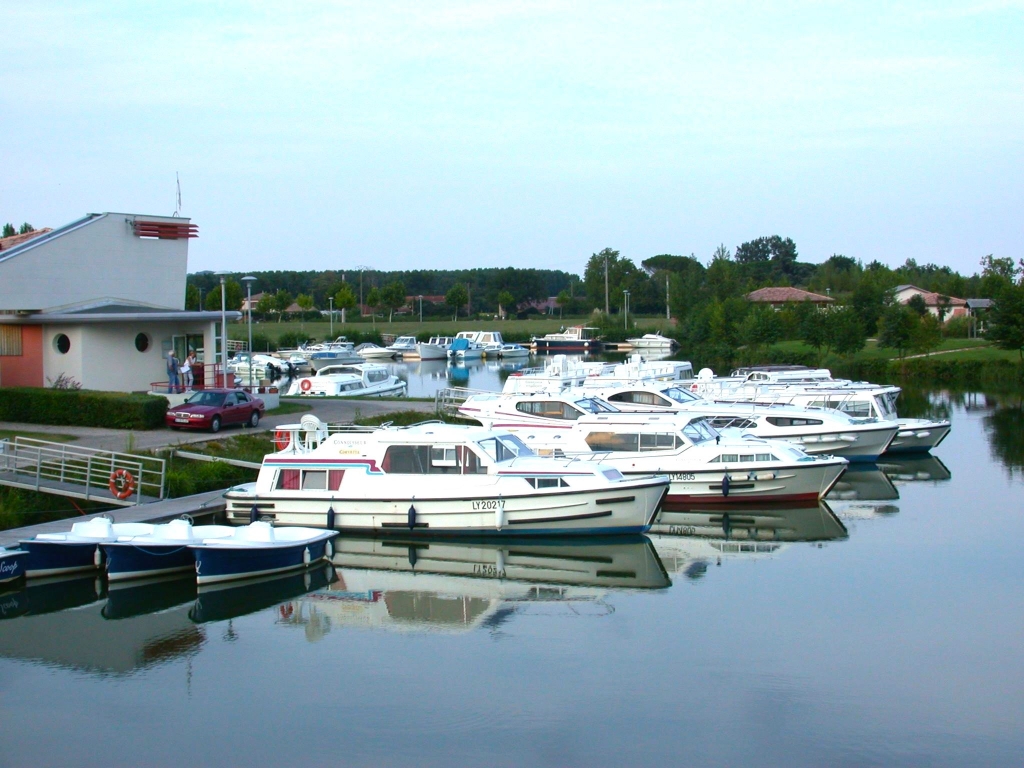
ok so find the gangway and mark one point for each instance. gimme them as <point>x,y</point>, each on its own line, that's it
<point>448,400</point>
<point>123,479</point>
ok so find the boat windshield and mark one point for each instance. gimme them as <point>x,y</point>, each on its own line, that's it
<point>700,430</point>
<point>680,395</point>
<point>886,403</point>
<point>504,447</point>
<point>593,405</point>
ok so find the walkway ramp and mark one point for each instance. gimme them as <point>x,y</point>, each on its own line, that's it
<point>81,473</point>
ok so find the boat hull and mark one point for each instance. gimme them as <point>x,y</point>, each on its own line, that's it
<point>56,558</point>
<point>557,345</point>
<point>918,436</point>
<point>432,352</point>
<point>215,563</point>
<point>610,510</point>
<point>865,445</point>
<point>12,565</point>
<point>125,560</point>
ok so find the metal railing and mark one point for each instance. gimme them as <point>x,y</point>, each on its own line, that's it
<point>80,472</point>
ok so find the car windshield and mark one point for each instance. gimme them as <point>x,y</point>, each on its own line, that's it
<point>207,398</point>
<point>679,395</point>
<point>592,405</point>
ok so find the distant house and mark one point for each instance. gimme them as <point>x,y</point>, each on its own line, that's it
<point>778,296</point>
<point>255,301</point>
<point>943,307</point>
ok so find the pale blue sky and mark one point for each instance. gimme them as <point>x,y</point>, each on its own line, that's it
<point>460,134</point>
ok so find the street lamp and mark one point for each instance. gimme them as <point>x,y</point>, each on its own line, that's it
<point>420,297</point>
<point>223,330</point>
<point>330,300</point>
<point>625,319</point>
<point>248,280</point>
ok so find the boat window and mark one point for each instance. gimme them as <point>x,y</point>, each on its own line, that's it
<point>497,450</point>
<point>856,408</point>
<point>334,478</point>
<point>443,460</point>
<point>377,376</point>
<point>406,459</point>
<point>680,395</point>
<point>658,441</point>
<point>640,398</point>
<point>724,422</point>
<point>547,482</point>
<point>517,446</point>
<point>593,405</point>
<point>548,409</point>
<point>887,406</point>
<point>786,421</point>
<point>613,441</point>
<point>612,474</point>
<point>314,480</point>
<point>699,430</point>
<point>470,461</point>
<point>288,480</point>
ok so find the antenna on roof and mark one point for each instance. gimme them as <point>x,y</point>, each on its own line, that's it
<point>177,207</point>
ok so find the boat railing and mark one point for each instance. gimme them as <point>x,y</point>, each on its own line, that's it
<point>448,400</point>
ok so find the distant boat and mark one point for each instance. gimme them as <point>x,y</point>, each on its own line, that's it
<point>465,349</point>
<point>358,380</point>
<point>371,351</point>
<point>435,349</point>
<point>405,346</point>
<point>576,338</point>
<point>653,342</point>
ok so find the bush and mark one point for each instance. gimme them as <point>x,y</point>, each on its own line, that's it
<point>956,328</point>
<point>82,408</point>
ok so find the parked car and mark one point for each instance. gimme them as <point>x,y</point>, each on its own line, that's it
<point>214,408</point>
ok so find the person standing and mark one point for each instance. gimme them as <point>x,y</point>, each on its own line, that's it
<point>186,371</point>
<point>173,364</point>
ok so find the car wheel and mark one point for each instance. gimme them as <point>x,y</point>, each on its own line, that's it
<point>215,424</point>
<point>254,419</point>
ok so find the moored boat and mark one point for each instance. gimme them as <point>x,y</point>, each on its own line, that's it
<point>53,554</point>
<point>357,380</point>
<point>652,342</point>
<point>12,564</point>
<point>162,551</point>
<point>405,346</point>
<point>576,338</point>
<point>438,478</point>
<point>435,349</point>
<point>371,351</point>
<point>259,549</point>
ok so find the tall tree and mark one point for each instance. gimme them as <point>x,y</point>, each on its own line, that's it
<point>456,298</point>
<point>846,334</point>
<point>9,230</point>
<point>305,301</point>
<point>393,297</point>
<point>282,300</point>
<point>345,299</point>
<point>192,297</point>
<point>26,228</point>
<point>1006,319</point>
<point>505,300</point>
<point>896,329</point>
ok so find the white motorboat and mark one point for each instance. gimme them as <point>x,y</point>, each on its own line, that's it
<point>262,366</point>
<point>562,371</point>
<point>341,350</point>
<point>466,347</point>
<point>439,478</point>
<point>511,351</point>
<point>405,346</point>
<point>704,465</point>
<point>53,554</point>
<point>815,430</point>
<point>357,380</point>
<point>858,399</point>
<point>577,338</point>
<point>435,349</point>
<point>371,351</point>
<point>653,342</point>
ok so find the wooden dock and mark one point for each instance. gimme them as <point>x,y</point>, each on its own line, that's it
<point>199,506</point>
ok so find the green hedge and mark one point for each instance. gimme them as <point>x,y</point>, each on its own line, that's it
<point>82,408</point>
<point>965,373</point>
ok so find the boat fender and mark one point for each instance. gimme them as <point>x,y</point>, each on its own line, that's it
<point>725,485</point>
<point>306,557</point>
<point>328,549</point>
<point>330,517</point>
<point>412,517</point>
<point>499,561</point>
<point>412,556</point>
<point>499,516</point>
<point>97,558</point>
<point>254,514</point>
<point>765,475</point>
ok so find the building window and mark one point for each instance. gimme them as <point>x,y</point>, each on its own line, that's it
<point>62,343</point>
<point>10,340</point>
<point>142,342</point>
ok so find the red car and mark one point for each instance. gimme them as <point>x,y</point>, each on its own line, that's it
<point>213,408</point>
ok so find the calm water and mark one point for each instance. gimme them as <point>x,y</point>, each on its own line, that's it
<point>884,629</point>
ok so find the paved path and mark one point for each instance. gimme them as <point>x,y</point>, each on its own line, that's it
<point>331,411</point>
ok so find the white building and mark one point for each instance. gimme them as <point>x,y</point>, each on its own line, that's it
<point>944,308</point>
<point>100,301</point>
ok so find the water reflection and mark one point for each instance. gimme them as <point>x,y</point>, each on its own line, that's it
<point>451,586</point>
<point>689,540</point>
<point>229,600</point>
<point>1005,428</point>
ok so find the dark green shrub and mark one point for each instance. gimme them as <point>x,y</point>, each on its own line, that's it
<point>82,408</point>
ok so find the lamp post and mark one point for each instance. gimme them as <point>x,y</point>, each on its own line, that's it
<point>248,280</point>
<point>625,319</point>
<point>420,297</point>
<point>223,330</point>
<point>330,300</point>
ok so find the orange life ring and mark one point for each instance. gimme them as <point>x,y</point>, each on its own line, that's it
<point>281,439</point>
<point>122,483</point>
<point>305,385</point>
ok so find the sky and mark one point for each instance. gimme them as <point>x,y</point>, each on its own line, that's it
<point>441,135</point>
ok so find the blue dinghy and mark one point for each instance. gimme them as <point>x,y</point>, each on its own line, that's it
<point>258,549</point>
<point>53,554</point>
<point>162,551</point>
<point>12,564</point>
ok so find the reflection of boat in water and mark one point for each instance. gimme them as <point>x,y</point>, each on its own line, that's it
<point>453,586</point>
<point>127,599</point>
<point>923,468</point>
<point>864,482</point>
<point>65,624</point>
<point>687,540</point>
<point>227,600</point>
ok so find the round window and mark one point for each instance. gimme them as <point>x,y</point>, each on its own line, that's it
<point>142,342</point>
<point>62,343</point>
